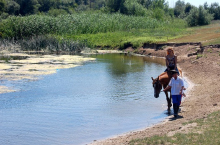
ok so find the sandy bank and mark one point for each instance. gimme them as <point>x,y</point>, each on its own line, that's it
<point>201,68</point>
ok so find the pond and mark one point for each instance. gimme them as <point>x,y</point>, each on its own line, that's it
<point>110,96</point>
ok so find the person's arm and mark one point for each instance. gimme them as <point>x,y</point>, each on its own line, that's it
<point>181,90</point>
<point>167,88</point>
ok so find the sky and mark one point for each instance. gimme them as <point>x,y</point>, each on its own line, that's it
<point>193,2</point>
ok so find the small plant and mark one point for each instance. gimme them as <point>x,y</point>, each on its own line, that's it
<point>209,50</point>
<point>199,56</point>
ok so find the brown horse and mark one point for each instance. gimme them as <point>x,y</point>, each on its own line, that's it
<point>162,81</point>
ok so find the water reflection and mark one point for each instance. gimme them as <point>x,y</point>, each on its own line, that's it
<point>100,99</point>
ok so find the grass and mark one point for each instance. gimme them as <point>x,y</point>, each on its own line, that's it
<point>206,132</point>
<point>134,37</point>
<point>208,35</point>
<point>96,30</point>
<point>79,23</point>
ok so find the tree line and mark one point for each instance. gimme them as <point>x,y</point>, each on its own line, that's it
<point>158,9</point>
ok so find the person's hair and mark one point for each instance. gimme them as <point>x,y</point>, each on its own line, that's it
<point>170,48</point>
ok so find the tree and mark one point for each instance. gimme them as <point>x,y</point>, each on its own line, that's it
<point>115,5</point>
<point>204,18</point>
<point>179,8</point>
<point>148,4</point>
<point>188,8</point>
<point>199,16</point>
<point>132,7</point>
<point>206,6</point>
<point>28,6</point>
<point>215,9</point>
<point>2,5</point>
<point>12,8</point>
<point>159,4</point>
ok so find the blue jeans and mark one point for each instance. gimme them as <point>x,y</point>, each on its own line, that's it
<point>176,99</point>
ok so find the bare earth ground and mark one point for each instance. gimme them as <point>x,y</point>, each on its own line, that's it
<point>203,96</point>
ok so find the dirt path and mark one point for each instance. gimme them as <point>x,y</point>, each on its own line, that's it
<point>203,71</point>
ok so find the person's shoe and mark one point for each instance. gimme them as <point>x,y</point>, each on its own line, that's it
<point>175,116</point>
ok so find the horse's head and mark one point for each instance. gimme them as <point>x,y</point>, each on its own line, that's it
<point>157,87</point>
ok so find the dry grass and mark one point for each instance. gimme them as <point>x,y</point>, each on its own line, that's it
<point>206,34</point>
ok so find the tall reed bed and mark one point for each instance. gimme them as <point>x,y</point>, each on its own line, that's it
<point>43,44</point>
<point>19,27</point>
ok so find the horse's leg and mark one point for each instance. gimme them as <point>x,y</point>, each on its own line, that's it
<point>168,101</point>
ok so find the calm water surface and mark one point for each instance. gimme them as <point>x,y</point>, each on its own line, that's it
<point>75,106</point>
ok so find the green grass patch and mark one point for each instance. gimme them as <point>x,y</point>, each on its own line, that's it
<point>206,132</point>
<point>121,39</point>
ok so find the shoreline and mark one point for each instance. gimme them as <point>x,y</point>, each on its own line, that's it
<point>199,103</point>
<point>163,122</point>
<point>201,71</point>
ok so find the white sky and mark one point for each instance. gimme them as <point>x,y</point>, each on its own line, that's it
<point>193,2</point>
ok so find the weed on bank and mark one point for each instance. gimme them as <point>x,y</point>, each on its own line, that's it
<point>207,131</point>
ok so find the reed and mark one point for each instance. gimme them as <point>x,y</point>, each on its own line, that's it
<point>80,23</point>
<point>45,44</point>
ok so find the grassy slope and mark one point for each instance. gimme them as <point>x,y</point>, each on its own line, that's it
<point>134,37</point>
<point>206,34</point>
<point>206,132</point>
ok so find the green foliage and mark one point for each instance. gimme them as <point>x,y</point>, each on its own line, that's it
<point>115,5</point>
<point>179,8</point>
<point>199,16</point>
<point>12,8</point>
<point>2,5</point>
<point>158,14</point>
<point>215,9</point>
<point>19,27</point>
<point>57,12</point>
<point>132,7</point>
<point>136,37</point>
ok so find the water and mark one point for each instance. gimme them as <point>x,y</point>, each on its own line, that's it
<point>100,99</point>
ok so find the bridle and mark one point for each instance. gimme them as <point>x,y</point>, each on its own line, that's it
<point>157,83</point>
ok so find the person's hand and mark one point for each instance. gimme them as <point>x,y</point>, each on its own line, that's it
<point>184,95</point>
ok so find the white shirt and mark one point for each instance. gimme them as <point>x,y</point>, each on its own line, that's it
<point>176,85</point>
